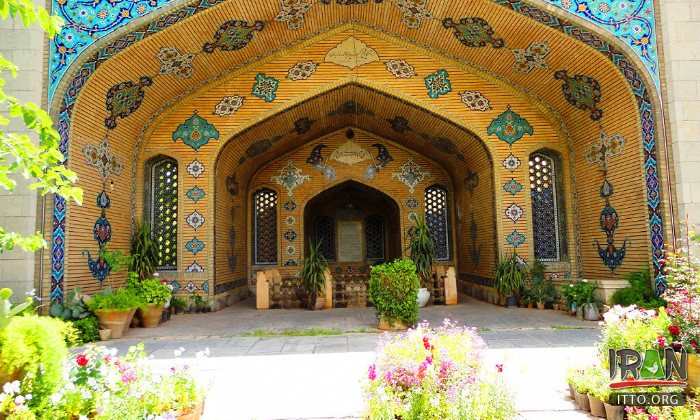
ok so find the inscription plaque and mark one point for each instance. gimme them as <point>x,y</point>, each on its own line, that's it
<point>350,241</point>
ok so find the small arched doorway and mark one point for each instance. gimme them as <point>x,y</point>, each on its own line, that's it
<point>356,226</point>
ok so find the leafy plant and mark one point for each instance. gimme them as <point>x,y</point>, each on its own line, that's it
<point>537,270</point>
<point>151,290</point>
<point>393,290</point>
<point>144,251</point>
<point>510,276</point>
<point>178,304</point>
<point>7,310</point>
<point>32,349</point>
<point>116,260</point>
<point>73,306</point>
<point>640,291</point>
<point>313,273</point>
<point>579,293</point>
<point>422,249</point>
<point>121,300</point>
<point>88,331</point>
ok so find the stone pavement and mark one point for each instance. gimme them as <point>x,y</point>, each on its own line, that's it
<point>321,376</point>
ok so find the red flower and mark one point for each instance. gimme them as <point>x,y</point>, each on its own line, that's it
<point>677,346</point>
<point>673,329</point>
<point>661,341</point>
<point>426,343</point>
<point>499,368</point>
<point>81,360</point>
<point>694,344</point>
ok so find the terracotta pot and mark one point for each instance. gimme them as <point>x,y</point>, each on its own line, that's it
<point>582,400</point>
<point>128,321</point>
<point>540,305</point>
<point>320,303</point>
<point>597,407</point>
<point>529,305</point>
<point>150,316</point>
<point>693,371</point>
<point>572,394</point>
<point>115,320</point>
<point>194,415</point>
<point>395,326</point>
<point>105,334</point>
<point>614,412</point>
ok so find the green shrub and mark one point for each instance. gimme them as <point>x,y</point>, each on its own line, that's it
<point>151,290</point>
<point>122,300</point>
<point>87,329</point>
<point>32,350</point>
<point>393,289</point>
<point>640,291</point>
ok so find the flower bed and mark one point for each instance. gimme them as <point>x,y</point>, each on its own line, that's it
<point>435,373</point>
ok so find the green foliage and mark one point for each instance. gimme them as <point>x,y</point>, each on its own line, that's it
<point>32,349</point>
<point>640,292</point>
<point>116,260</point>
<point>510,276</point>
<point>73,306</point>
<point>422,249</point>
<point>18,153</point>
<point>178,304</point>
<point>7,310</point>
<point>313,272</point>
<point>393,289</point>
<point>122,300</point>
<point>144,251</point>
<point>536,270</point>
<point>151,290</point>
<point>579,292</point>
<point>87,328</point>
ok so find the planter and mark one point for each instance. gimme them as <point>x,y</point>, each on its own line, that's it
<point>150,315</point>
<point>196,414</point>
<point>572,394</point>
<point>693,371</point>
<point>582,400</point>
<point>132,312</point>
<point>392,326</point>
<point>529,305</point>
<point>573,309</point>
<point>555,306</point>
<point>511,302</point>
<point>597,407</point>
<point>320,303</point>
<point>614,412</point>
<point>590,312</point>
<point>115,320</point>
<point>105,334</point>
<point>423,297</point>
<point>540,305</point>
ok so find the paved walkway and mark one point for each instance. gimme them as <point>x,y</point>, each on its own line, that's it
<point>321,376</point>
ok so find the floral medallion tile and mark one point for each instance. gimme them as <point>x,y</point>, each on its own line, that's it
<point>292,13</point>
<point>515,238</point>
<point>531,58</point>
<point>514,212</point>
<point>175,63</point>
<point>233,35</point>
<point>475,101</point>
<point>414,12</point>
<point>194,245</point>
<point>228,105</point>
<point>265,87</point>
<point>581,91</point>
<point>438,84</point>
<point>290,250</point>
<point>195,220</point>
<point>123,99</point>
<point>301,70</point>
<point>191,287</point>
<point>411,174</point>
<point>194,268</point>
<point>195,194</point>
<point>509,127</point>
<point>512,163</point>
<point>102,158</point>
<point>412,203</point>
<point>195,132</point>
<point>513,187</point>
<point>606,147</point>
<point>176,286</point>
<point>290,235</point>
<point>290,177</point>
<point>290,205</point>
<point>290,220</point>
<point>400,69</point>
<point>473,32</point>
<point>195,169</point>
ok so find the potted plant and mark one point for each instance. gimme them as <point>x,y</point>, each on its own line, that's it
<point>598,390</point>
<point>105,333</point>
<point>509,279</point>
<point>393,290</point>
<point>144,251</point>
<point>313,276</point>
<point>178,305</point>
<point>115,309</point>
<point>423,254</point>
<point>155,293</point>
<point>586,300</point>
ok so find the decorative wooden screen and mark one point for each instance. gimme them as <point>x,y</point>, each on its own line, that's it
<point>265,229</point>
<point>162,208</point>
<point>325,236</point>
<point>545,217</point>
<point>374,237</point>
<point>437,218</point>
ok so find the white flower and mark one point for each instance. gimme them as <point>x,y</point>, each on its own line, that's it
<point>70,386</point>
<point>92,382</point>
<point>105,394</point>
<point>11,388</point>
<point>82,417</point>
<point>28,397</point>
<point>2,398</point>
<point>55,398</point>
<point>571,285</point>
<point>113,351</point>
<point>19,400</point>
<point>85,394</point>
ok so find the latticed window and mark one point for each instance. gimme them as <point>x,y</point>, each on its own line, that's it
<point>545,207</point>
<point>325,237</point>
<point>374,237</point>
<point>437,218</point>
<point>265,230</point>
<point>162,210</point>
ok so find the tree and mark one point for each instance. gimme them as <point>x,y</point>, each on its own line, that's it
<point>41,162</point>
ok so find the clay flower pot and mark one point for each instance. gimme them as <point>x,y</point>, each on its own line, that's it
<point>105,334</point>
<point>395,326</point>
<point>597,407</point>
<point>132,312</point>
<point>614,412</point>
<point>150,315</point>
<point>115,320</point>
<point>196,414</point>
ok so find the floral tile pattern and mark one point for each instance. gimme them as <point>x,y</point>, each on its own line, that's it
<point>194,268</point>
<point>414,12</point>
<point>290,205</point>
<point>124,99</point>
<point>290,177</point>
<point>195,194</point>
<point>265,87</point>
<point>175,63</point>
<point>581,91</point>
<point>512,163</point>
<point>233,35</point>
<point>195,220</point>
<point>607,147</point>
<point>293,13</point>
<point>194,245</point>
<point>195,169</point>
<point>102,158</point>
<point>514,212</point>
<point>531,58</point>
<point>509,127</point>
<point>473,32</point>
<point>513,187</point>
<point>515,238</point>
<point>191,287</point>
<point>438,84</point>
<point>195,132</point>
<point>411,174</point>
<point>476,101</point>
<point>301,70</point>
<point>228,105</point>
<point>400,69</point>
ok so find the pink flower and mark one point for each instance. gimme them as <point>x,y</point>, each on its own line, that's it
<point>694,344</point>
<point>81,360</point>
<point>499,367</point>
<point>661,341</point>
<point>429,360</point>
<point>372,372</point>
